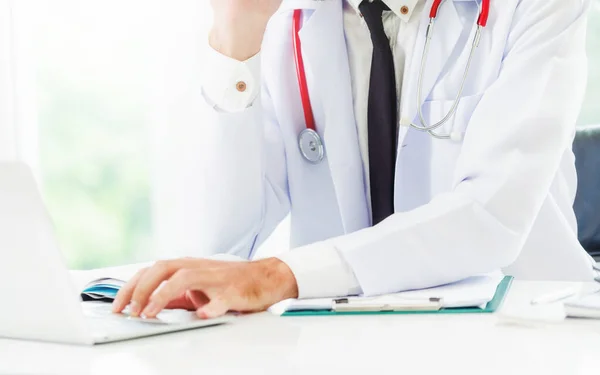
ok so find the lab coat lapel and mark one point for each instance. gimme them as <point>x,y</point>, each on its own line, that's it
<point>448,29</point>
<point>328,76</point>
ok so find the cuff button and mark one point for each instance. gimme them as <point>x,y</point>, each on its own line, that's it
<point>241,86</point>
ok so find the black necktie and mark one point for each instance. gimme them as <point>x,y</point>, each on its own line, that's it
<point>382,114</point>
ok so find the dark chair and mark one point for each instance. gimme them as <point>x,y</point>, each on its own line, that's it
<point>587,203</point>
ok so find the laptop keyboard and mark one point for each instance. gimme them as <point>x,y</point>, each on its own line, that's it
<point>103,311</point>
<point>104,323</point>
<point>106,326</point>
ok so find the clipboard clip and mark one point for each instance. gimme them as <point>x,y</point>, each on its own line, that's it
<point>386,305</point>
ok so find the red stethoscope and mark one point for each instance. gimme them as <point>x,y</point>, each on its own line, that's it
<point>310,142</point>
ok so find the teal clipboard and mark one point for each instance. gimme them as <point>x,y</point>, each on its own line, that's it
<point>490,308</point>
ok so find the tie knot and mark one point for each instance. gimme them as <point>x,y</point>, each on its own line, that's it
<point>372,14</point>
<point>375,7</point>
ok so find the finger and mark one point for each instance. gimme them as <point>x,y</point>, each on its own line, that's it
<point>179,283</point>
<point>124,295</point>
<point>149,282</point>
<point>215,308</point>
<point>198,299</point>
<point>190,300</point>
<point>182,302</point>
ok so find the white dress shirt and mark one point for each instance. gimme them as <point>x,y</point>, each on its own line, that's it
<point>232,86</point>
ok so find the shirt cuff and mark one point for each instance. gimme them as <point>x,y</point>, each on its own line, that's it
<point>321,272</point>
<point>230,85</point>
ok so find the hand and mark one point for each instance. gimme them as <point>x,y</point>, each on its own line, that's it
<point>239,26</point>
<point>210,287</point>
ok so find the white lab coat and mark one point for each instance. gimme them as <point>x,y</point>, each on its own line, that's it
<point>500,198</point>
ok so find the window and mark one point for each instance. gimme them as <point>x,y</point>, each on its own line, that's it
<point>116,85</point>
<point>102,99</point>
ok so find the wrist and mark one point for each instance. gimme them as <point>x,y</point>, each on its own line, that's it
<point>280,277</point>
<point>239,43</point>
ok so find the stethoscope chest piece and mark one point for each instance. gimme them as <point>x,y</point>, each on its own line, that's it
<point>311,146</point>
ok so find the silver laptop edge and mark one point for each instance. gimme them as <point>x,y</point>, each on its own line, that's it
<point>39,299</point>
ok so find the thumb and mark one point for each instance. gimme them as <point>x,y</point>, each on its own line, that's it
<point>213,309</point>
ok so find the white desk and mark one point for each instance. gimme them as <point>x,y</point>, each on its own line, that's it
<point>266,344</point>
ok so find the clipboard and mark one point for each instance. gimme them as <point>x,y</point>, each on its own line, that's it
<point>491,307</point>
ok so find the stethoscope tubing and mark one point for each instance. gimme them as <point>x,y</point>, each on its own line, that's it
<point>310,142</point>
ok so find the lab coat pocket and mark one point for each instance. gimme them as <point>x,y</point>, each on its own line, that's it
<point>456,126</point>
<point>445,152</point>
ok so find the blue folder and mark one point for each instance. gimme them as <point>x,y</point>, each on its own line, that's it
<point>102,290</point>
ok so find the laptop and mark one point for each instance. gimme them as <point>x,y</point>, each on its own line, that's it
<point>38,298</point>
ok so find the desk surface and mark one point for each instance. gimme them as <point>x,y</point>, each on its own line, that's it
<point>266,344</point>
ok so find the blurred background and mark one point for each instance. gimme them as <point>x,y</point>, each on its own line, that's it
<point>113,94</point>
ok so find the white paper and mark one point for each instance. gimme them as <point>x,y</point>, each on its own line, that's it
<point>471,292</point>
<point>313,304</point>
<point>475,291</point>
<point>589,301</point>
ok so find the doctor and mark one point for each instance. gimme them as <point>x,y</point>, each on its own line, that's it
<point>378,204</point>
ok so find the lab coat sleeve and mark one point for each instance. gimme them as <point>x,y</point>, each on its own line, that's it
<point>515,141</point>
<point>230,85</point>
<point>321,271</point>
<point>244,191</point>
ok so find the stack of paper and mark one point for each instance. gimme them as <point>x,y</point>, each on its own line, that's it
<point>587,306</point>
